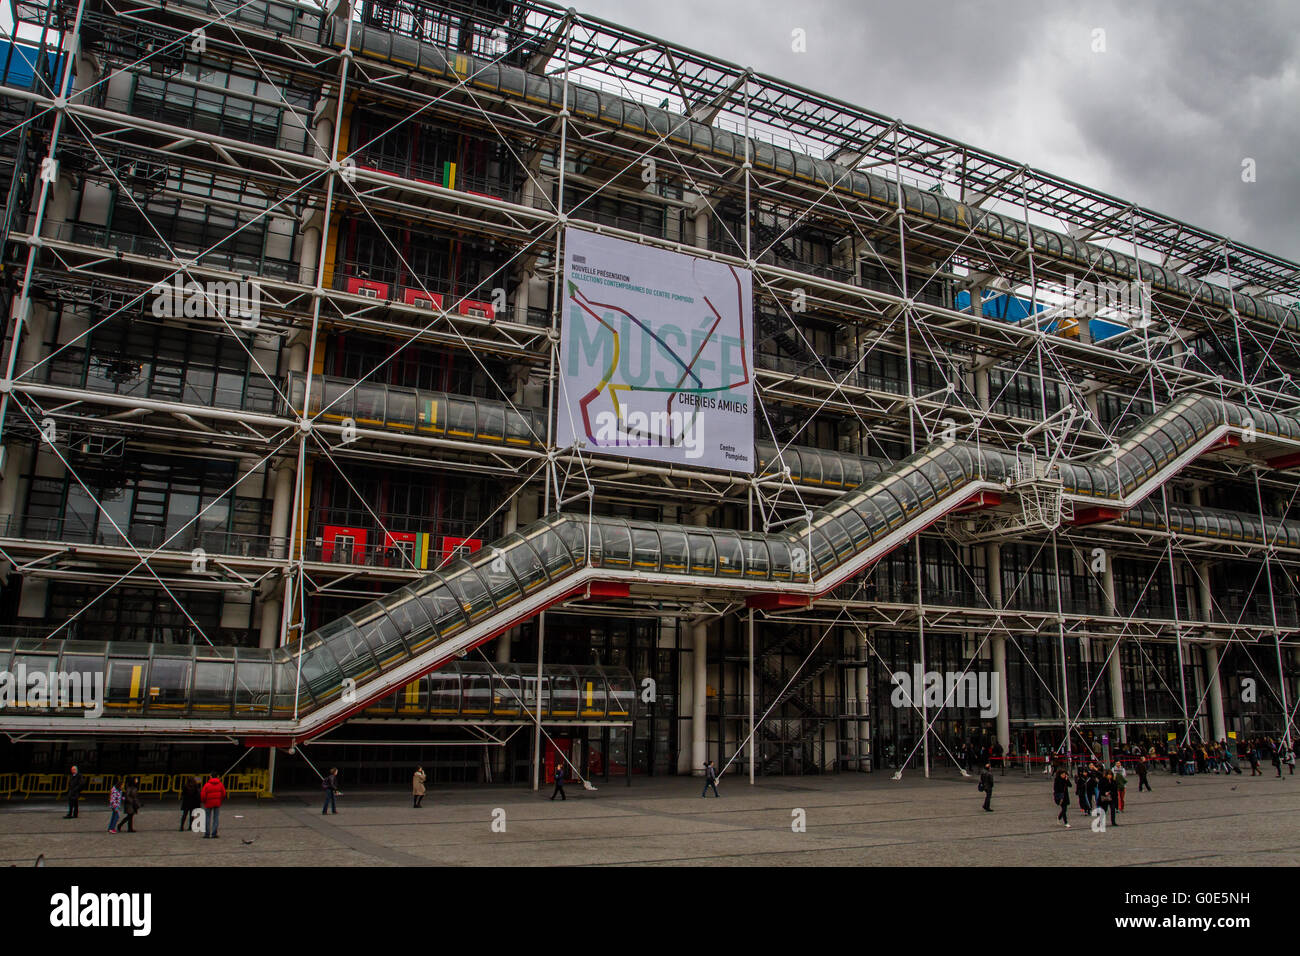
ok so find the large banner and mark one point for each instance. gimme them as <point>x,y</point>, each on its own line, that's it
<point>656,355</point>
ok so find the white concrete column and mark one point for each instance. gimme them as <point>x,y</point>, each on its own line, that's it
<point>1214,683</point>
<point>700,216</point>
<point>1114,665</point>
<point>699,683</point>
<point>508,524</point>
<point>284,474</point>
<point>993,584</point>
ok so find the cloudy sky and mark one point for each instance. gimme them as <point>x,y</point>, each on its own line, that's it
<point>1164,116</point>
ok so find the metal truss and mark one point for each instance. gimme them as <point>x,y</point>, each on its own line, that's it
<point>882,294</point>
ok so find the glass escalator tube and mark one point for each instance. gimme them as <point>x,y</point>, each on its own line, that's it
<point>214,682</point>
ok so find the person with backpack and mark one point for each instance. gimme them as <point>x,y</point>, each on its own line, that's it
<point>130,802</point>
<point>190,800</point>
<point>986,786</point>
<point>710,779</point>
<point>115,805</point>
<point>76,784</point>
<point>1061,795</point>
<point>559,780</point>
<point>331,787</point>
<point>212,796</point>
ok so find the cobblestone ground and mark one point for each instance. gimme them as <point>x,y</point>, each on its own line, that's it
<point>858,819</point>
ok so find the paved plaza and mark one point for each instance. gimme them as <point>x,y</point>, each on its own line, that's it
<point>852,819</point>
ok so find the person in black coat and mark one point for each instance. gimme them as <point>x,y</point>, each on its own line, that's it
<point>130,802</point>
<point>1061,795</point>
<point>1082,789</point>
<point>559,781</point>
<point>190,800</point>
<point>710,778</point>
<point>986,784</point>
<point>76,784</point>
<point>1108,796</point>
<point>1142,771</point>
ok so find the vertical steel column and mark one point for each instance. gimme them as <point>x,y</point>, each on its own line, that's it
<point>554,335</point>
<point>298,526</point>
<point>72,45</point>
<point>1272,606</point>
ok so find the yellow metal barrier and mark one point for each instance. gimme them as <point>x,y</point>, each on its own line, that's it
<point>155,784</point>
<point>159,785</point>
<point>43,785</point>
<point>252,781</point>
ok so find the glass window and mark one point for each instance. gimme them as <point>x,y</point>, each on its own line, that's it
<point>495,572</point>
<point>252,683</point>
<point>703,555</point>
<point>440,605</point>
<point>401,408</point>
<point>213,684</point>
<point>444,692</point>
<point>524,562</point>
<point>564,693</point>
<point>506,694</point>
<point>351,646</point>
<point>645,549</point>
<point>476,693</point>
<point>729,556</point>
<point>672,544</point>
<point>756,561</point>
<point>124,689</point>
<point>616,542</point>
<point>469,588</point>
<point>381,634</point>
<point>169,681</point>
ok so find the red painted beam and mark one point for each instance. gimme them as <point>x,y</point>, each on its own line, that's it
<point>772,602</point>
<point>1227,441</point>
<point>606,590</point>
<point>1285,461</point>
<point>985,499</point>
<point>1095,515</point>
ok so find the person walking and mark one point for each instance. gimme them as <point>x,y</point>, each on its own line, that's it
<point>417,786</point>
<point>1061,795</point>
<point>212,796</point>
<point>559,780</point>
<point>1252,753</point>
<point>1108,796</point>
<point>1121,781</point>
<point>190,799</point>
<point>76,784</point>
<point>130,802</point>
<point>1290,759</point>
<point>115,805</point>
<point>710,779</point>
<point>986,785</point>
<point>1083,789</point>
<point>331,787</point>
<point>1275,750</point>
<point>1142,770</point>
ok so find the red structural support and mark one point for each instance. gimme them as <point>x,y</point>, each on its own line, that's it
<point>772,602</point>
<point>1096,515</point>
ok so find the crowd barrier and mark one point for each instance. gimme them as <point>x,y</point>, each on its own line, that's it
<point>159,785</point>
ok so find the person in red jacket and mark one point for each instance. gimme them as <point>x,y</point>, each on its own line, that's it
<point>212,795</point>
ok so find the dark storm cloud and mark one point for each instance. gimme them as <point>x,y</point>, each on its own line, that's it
<point>1164,117</point>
